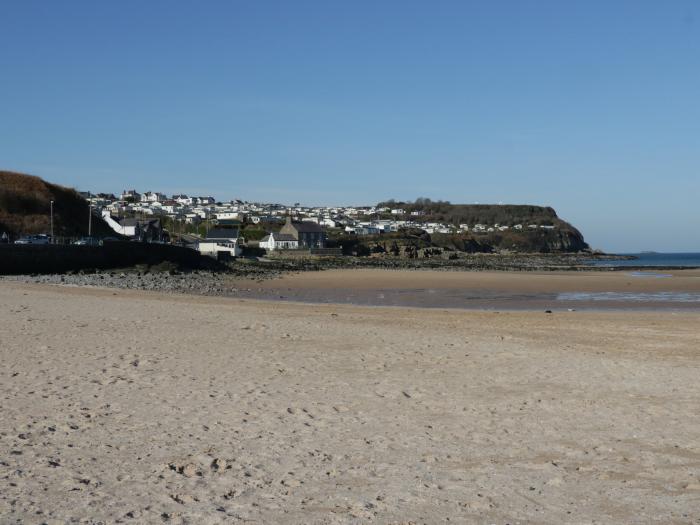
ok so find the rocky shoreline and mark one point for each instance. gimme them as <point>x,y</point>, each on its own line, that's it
<point>197,282</point>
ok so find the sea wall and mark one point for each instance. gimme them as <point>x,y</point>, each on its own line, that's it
<point>18,259</point>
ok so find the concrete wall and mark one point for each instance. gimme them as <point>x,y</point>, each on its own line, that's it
<point>25,259</point>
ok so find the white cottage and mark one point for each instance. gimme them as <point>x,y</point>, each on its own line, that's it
<point>279,241</point>
<point>221,242</point>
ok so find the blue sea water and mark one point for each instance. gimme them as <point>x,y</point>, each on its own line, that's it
<point>663,260</point>
<point>632,297</point>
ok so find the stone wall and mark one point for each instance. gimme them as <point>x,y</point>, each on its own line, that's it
<point>18,259</point>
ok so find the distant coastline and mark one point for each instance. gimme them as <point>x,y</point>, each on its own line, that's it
<point>650,259</point>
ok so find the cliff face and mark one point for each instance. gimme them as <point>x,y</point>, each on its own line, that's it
<point>561,240</point>
<point>25,208</point>
<point>539,241</point>
<point>564,241</point>
<point>412,244</point>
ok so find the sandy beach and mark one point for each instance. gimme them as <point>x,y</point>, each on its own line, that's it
<point>141,407</point>
<point>523,281</point>
<point>504,290</point>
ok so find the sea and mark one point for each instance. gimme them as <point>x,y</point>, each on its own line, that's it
<point>653,259</point>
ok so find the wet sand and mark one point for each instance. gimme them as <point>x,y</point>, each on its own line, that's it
<point>142,407</point>
<point>647,290</point>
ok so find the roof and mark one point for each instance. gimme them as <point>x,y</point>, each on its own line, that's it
<point>306,227</point>
<point>223,233</point>
<point>283,237</point>
<point>141,222</point>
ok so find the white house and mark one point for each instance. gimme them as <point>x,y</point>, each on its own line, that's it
<point>279,241</point>
<point>220,242</point>
<point>367,230</point>
<point>153,197</point>
<point>328,223</point>
<point>131,195</point>
<point>116,226</point>
<point>182,199</point>
<point>229,215</point>
<point>144,230</point>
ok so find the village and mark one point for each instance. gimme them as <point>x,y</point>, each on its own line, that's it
<point>215,228</point>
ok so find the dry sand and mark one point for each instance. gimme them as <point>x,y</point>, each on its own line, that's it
<point>526,281</point>
<point>144,408</point>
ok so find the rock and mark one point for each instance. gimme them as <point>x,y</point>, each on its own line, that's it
<point>475,505</point>
<point>218,464</point>
<point>189,470</point>
<point>182,499</point>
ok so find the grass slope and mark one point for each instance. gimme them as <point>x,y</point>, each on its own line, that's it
<point>25,204</point>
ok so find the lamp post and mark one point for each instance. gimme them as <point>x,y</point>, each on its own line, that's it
<point>52,241</point>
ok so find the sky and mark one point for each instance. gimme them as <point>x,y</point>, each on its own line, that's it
<point>591,107</point>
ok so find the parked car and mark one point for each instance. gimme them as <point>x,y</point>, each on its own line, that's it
<point>87,241</point>
<point>33,239</point>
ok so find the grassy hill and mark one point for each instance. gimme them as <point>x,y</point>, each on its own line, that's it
<point>490,214</point>
<point>564,237</point>
<point>25,208</point>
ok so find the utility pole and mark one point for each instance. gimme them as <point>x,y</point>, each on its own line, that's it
<point>90,220</point>
<point>52,241</point>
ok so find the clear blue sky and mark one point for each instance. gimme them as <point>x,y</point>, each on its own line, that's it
<point>592,107</point>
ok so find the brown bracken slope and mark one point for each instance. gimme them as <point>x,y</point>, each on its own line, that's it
<point>25,204</point>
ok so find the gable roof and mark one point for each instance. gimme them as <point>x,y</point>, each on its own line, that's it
<point>223,233</point>
<point>306,227</point>
<point>228,222</point>
<point>141,222</point>
<point>283,237</point>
